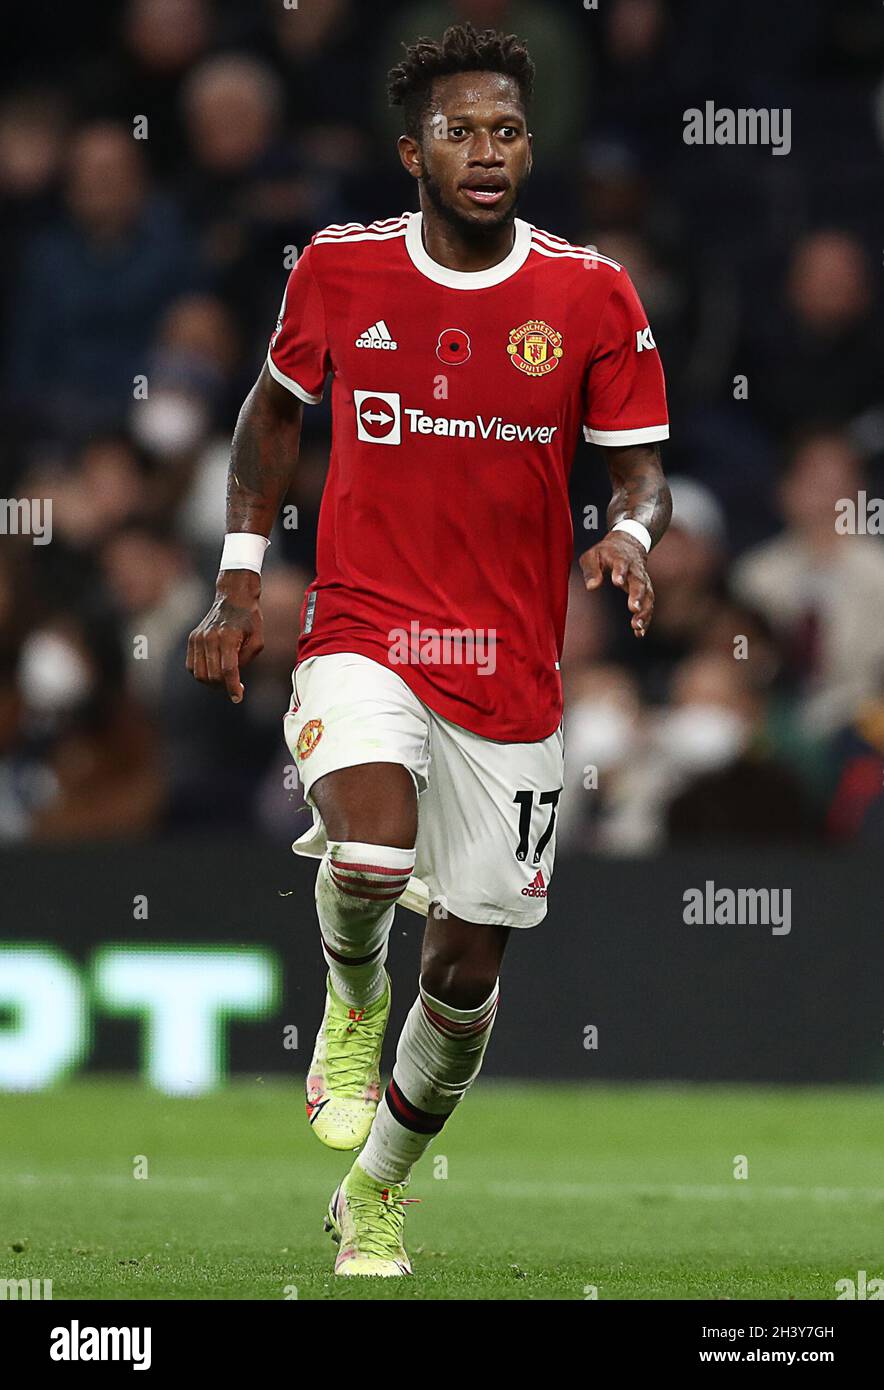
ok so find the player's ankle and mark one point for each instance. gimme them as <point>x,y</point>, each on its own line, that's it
<point>377,1181</point>
<point>363,995</point>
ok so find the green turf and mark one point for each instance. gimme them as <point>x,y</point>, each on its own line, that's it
<point>549,1190</point>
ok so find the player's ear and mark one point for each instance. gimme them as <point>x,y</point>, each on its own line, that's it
<point>410,154</point>
<point>530,153</point>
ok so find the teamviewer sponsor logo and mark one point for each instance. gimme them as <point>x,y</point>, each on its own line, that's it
<point>379,421</point>
<point>480,427</point>
<point>378,417</point>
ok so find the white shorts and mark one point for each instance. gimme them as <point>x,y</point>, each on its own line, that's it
<point>486,836</point>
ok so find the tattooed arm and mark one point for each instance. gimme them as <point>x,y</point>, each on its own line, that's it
<point>262,464</point>
<point>641,493</point>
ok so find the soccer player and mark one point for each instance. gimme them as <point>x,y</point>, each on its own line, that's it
<point>467,350</point>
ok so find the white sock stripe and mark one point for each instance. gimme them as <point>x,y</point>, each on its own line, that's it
<point>382,872</point>
<point>373,880</point>
<point>459,1030</point>
<point>458,1016</point>
<point>358,854</point>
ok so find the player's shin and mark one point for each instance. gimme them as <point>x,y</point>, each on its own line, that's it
<point>356,891</point>
<point>357,888</point>
<point>438,1058</point>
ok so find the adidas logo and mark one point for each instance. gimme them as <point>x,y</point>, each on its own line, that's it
<point>537,887</point>
<point>378,336</point>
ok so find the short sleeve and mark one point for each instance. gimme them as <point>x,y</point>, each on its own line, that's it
<point>625,394</point>
<point>298,356</point>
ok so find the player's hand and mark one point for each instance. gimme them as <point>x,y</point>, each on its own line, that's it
<point>230,635</point>
<point>623,557</point>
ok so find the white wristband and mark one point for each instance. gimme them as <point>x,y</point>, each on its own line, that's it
<point>243,550</point>
<point>634,528</point>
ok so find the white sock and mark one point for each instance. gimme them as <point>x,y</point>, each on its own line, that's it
<point>438,1058</point>
<point>356,891</point>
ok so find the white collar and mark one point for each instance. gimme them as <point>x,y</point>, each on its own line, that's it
<point>466,279</point>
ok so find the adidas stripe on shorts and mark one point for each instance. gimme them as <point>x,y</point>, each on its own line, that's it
<point>486,835</point>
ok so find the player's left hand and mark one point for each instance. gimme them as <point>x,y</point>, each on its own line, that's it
<point>623,557</point>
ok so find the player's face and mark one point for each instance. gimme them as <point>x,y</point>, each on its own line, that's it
<point>475,152</point>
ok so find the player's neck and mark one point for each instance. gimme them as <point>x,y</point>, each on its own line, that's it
<point>449,247</point>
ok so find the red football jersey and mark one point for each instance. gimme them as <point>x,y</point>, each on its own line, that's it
<point>445,537</point>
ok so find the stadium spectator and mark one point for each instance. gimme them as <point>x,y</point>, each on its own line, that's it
<point>105,487</point>
<point>92,287</point>
<point>191,401</point>
<point>817,357</point>
<point>249,189</point>
<point>150,579</point>
<point>706,769</point>
<point>605,729</point>
<point>819,588</point>
<point>729,787</point>
<point>32,144</point>
<point>320,57</point>
<point>90,750</point>
<point>157,44</point>
<point>857,805</point>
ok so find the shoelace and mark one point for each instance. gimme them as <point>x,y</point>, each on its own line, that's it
<point>379,1224</point>
<point>359,1041</point>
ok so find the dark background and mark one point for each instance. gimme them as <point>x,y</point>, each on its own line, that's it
<point>670,1001</point>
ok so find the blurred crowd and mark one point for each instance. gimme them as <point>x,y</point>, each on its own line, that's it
<point>160,159</point>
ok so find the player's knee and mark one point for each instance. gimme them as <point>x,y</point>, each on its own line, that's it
<point>365,878</point>
<point>460,983</point>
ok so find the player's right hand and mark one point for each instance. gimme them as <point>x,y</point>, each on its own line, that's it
<point>230,635</point>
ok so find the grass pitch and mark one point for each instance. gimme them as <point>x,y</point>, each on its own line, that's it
<point>551,1192</point>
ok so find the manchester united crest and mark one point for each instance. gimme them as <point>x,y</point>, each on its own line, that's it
<point>535,348</point>
<point>309,737</point>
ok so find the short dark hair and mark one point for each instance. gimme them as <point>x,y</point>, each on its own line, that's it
<point>461,49</point>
